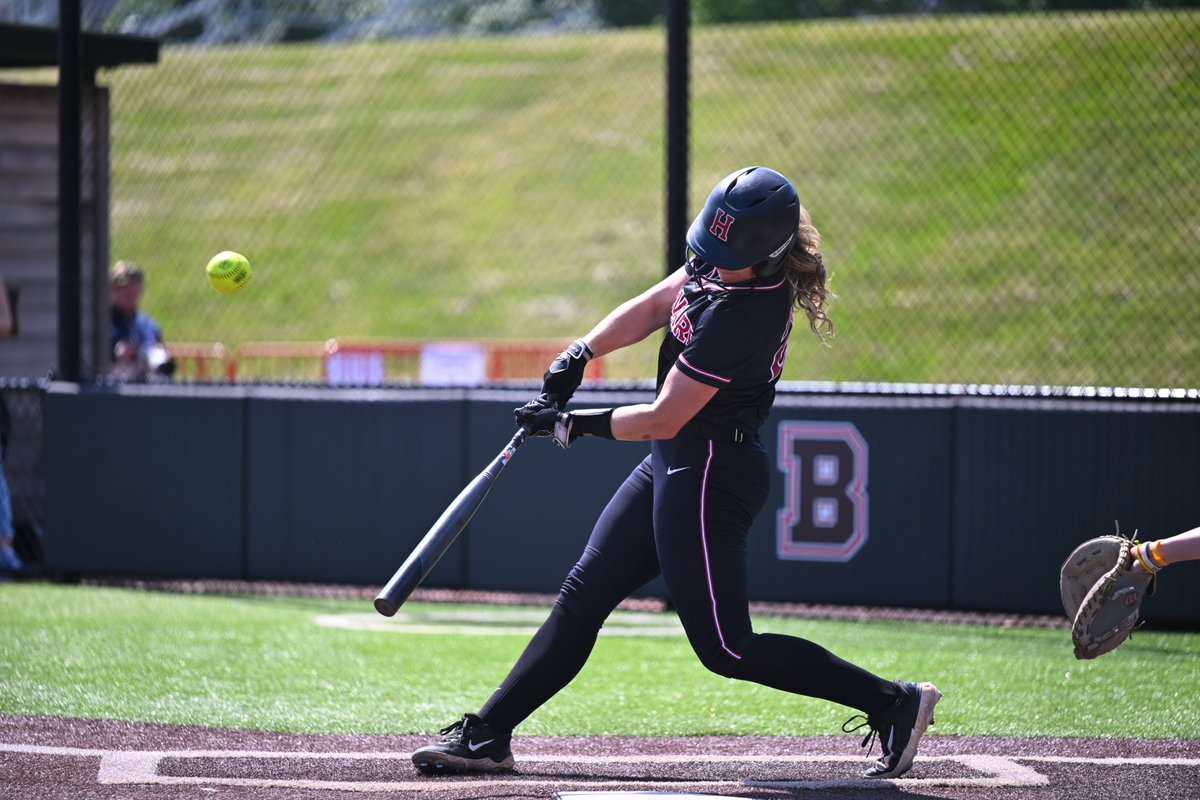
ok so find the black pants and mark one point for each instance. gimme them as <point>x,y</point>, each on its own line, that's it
<point>684,513</point>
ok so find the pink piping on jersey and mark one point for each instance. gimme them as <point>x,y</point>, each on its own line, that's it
<point>694,368</point>
<point>712,594</point>
<point>727,288</point>
<point>773,286</point>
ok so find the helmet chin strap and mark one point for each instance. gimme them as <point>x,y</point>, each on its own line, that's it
<point>697,267</point>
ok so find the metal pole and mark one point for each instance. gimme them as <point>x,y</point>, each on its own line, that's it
<point>70,76</point>
<point>678,25</point>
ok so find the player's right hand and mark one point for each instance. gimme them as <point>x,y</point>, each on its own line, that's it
<point>542,420</point>
<point>531,415</point>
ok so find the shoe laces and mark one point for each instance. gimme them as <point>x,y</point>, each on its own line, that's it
<point>874,727</point>
<point>453,732</point>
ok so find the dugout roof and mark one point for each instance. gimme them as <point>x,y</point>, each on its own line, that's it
<point>26,46</point>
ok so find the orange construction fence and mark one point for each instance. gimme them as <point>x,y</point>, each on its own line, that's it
<point>372,362</point>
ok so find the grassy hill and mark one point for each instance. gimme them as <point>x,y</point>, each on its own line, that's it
<point>1002,198</point>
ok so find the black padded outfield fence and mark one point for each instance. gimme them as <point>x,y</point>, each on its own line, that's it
<point>320,485</point>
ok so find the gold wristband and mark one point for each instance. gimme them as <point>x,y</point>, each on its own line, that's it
<point>1141,559</point>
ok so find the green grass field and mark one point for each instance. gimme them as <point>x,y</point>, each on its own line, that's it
<point>1003,199</point>
<point>264,663</point>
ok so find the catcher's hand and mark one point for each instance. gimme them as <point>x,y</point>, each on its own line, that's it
<point>1100,594</point>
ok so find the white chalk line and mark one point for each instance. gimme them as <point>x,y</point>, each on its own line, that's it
<point>514,622</point>
<point>999,771</point>
<point>141,767</point>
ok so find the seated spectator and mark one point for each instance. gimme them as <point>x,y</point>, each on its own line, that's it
<point>9,560</point>
<point>137,349</point>
<point>6,315</point>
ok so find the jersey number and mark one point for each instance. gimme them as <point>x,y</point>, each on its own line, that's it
<point>825,469</point>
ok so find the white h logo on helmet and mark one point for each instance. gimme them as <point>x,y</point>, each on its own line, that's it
<point>721,224</point>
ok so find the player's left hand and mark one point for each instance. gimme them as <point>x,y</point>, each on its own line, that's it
<point>565,373</point>
<point>1101,595</point>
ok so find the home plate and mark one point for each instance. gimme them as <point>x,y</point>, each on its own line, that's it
<point>619,795</point>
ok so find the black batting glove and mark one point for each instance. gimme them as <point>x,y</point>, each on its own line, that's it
<point>565,373</point>
<point>527,411</point>
<point>545,420</point>
<point>563,426</point>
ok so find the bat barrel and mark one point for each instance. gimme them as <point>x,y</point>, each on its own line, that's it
<point>443,533</point>
<point>402,584</point>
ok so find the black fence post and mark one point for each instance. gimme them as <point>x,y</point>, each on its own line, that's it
<point>70,76</point>
<point>678,25</point>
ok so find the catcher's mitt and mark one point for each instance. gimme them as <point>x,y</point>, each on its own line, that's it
<point>1100,595</point>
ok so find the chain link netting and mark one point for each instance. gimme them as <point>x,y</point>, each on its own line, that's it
<point>1006,198</point>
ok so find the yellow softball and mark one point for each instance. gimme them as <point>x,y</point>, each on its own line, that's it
<point>228,271</point>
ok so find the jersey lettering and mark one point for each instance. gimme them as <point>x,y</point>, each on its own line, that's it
<point>825,469</point>
<point>681,326</point>
<point>721,224</point>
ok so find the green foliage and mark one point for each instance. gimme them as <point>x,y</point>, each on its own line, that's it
<point>737,11</point>
<point>233,21</point>
<point>263,663</point>
<point>629,13</point>
<point>347,20</point>
<point>716,12</point>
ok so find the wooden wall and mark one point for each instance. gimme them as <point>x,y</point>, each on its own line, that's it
<point>29,228</point>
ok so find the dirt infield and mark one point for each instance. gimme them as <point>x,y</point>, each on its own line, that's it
<point>72,758</point>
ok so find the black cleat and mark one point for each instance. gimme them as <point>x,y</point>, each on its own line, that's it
<point>469,745</point>
<point>899,728</point>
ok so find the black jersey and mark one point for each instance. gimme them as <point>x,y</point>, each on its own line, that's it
<point>733,337</point>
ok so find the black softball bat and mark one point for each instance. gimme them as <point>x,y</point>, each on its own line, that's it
<point>443,533</point>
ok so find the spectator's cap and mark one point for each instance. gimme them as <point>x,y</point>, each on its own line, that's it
<point>124,273</point>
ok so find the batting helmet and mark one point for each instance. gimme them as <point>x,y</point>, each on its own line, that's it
<point>750,219</point>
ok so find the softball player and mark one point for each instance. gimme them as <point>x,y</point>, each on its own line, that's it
<point>753,257</point>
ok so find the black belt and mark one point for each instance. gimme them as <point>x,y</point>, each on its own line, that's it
<point>718,433</point>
